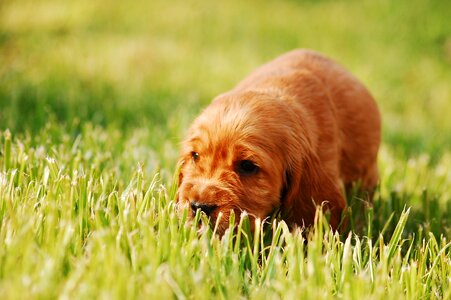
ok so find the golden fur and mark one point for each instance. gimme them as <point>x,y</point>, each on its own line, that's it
<point>307,126</point>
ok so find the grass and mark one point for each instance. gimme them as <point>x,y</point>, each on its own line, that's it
<point>95,98</point>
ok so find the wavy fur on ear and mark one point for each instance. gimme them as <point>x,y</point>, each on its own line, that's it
<point>313,177</point>
<point>180,178</point>
<point>308,187</point>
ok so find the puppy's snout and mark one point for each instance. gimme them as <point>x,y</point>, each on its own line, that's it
<point>206,208</point>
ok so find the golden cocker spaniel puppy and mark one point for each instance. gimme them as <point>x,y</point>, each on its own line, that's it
<point>290,136</point>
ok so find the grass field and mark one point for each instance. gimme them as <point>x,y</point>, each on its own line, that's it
<point>95,97</point>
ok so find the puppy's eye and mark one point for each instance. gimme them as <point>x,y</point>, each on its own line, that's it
<point>195,156</point>
<point>247,167</point>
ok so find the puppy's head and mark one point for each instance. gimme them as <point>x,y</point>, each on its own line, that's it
<point>238,156</point>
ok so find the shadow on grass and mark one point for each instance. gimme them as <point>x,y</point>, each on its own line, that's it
<point>29,107</point>
<point>427,216</point>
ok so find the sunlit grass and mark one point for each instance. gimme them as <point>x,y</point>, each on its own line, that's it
<point>85,217</point>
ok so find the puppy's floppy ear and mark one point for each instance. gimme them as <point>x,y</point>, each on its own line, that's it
<point>307,184</point>
<point>179,174</point>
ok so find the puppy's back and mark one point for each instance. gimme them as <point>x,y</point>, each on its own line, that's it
<point>356,114</point>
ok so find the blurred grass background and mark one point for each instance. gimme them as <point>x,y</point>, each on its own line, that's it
<point>155,64</point>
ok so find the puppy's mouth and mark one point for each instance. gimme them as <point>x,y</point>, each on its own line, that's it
<point>207,209</point>
<point>213,214</point>
<point>217,216</point>
<point>222,218</point>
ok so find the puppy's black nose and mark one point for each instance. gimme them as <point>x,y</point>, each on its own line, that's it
<point>206,208</point>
